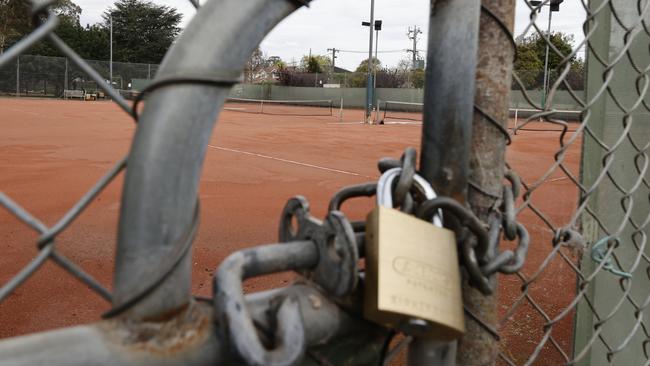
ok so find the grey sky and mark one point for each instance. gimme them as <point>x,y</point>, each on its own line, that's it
<point>337,23</point>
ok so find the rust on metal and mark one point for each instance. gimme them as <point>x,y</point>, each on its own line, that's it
<point>188,328</point>
<point>493,83</point>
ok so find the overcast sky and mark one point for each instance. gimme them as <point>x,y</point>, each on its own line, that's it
<point>337,23</point>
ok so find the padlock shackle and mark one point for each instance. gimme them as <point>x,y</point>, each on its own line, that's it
<point>385,191</point>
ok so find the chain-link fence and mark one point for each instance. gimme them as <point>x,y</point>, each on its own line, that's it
<point>580,298</point>
<point>45,76</point>
<point>385,78</point>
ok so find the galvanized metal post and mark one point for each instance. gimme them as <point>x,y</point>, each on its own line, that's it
<point>110,17</point>
<point>153,263</point>
<point>546,76</point>
<point>369,81</point>
<point>374,81</point>
<point>447,127</point>
<point>18,76</point>
<point>65,80</point>
<point>487,161</point>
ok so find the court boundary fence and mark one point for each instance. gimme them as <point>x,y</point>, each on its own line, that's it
<point>154,319</point>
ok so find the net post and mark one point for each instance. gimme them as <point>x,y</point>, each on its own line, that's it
<point>341,110</point>
<point>377,111</point>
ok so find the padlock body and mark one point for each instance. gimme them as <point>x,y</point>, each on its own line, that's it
<point>412,272</point>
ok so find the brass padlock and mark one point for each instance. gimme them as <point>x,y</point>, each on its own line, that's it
<point>412,272</point>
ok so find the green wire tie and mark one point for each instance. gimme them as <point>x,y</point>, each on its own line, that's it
<point>598,256</point>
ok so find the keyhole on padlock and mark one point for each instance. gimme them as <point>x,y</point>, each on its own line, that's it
<point>335,252</point>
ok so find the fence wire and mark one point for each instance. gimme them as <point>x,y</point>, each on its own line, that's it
<point>48,76</point>
<point>41,70</point>
<point>582,296</point>
<point>583,293</point>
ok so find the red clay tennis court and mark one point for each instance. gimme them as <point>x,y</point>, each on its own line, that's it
<point>52,151</point>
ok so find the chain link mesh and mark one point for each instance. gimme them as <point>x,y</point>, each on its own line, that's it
<point>38,72</point>
<point>582,295</point>
<point>48,76</point>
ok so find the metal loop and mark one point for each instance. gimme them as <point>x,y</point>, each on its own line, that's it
<point>206,77</point>
<point>474,238</point>
<point>520,253</point>
<point>385,164</point>
<point>423,189</point>
<point>463,214</point>
<point>406,177</point>
<point>476,277</point>
<point>230,307</point>
<point>569,237</point>
<point>408,206</point>
<point>509,219</point>
<point>515,182</point>
<point>337,270</point>
<point>361,190</point>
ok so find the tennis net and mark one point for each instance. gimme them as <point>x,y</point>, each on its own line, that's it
<point>322,107</point>
<point>389,111</point>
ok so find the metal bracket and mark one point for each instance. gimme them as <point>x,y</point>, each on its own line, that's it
<point>337,270</point>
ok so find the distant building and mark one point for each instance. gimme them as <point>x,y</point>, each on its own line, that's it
<point>269,74</point>
<point>340,70</point>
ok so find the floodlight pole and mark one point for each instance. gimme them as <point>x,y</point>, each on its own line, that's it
<point>553,5</point>
<point>110,17</point>
<point>373,62</point>
<point>369,82</point>
<point>18,77</point>
<point>377,24</point>
<point>546,76</point>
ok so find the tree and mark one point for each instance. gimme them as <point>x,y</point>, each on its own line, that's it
<point>255,63</point>
<point>94,43</point>
<point>531,54</point>
<point>363,66</point>
<point>315,64</point>
<point>142,30</point>
<point>359,78</point>
<point>275,61</point>
<point>14,21</point>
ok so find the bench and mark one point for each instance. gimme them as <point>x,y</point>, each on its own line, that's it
<point>73,94</point>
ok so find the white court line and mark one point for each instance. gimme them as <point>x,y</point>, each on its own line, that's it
<point>555,179</point>
<point>290,161</point>
<point>402,123</point>
<point>344,123</point>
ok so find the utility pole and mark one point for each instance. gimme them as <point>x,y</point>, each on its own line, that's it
<point>334,57</point>
<point>413,35</point>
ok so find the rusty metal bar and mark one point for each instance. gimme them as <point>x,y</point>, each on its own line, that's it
<point>447,127</point>
<point>487,161</point>
<point>191,337</point>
